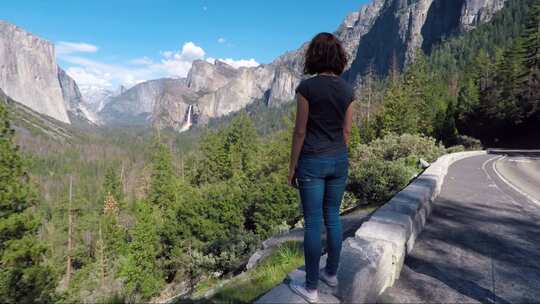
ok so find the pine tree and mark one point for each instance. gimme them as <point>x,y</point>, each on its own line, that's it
<point>354,140</point>
<point>241,145</point>
<point>228,152</point>
<point>140,269</point>
<point>397,116</point>
<point>113,234</point>
<point>422,93</point>
<point>112,185</point>
<point>508,85</point>
<point>23,278</point>
<point>101,259</point>
<point>213,165</point>
<point>531,60</point>
<point>163,180</point>
<point>448,132</point>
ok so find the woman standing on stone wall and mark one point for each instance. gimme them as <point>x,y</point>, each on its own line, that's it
<point>319,160</point>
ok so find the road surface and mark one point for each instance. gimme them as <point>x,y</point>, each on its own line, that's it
<point>482,241</point>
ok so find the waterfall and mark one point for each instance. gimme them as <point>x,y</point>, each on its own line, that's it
<point>187,120</point>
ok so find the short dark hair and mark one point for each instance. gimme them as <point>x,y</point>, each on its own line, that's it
<point>325,54</point>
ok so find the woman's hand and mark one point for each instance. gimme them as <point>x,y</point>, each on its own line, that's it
<point>290,178</point>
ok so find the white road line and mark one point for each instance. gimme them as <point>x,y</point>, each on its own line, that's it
<point>490,178</point>
<point>528,196</point>
<point>484,167</point>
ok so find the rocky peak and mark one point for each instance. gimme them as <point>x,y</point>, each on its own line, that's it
<point>283,85</point>
<point>357,24</point>
<point>205,76</point>
<point>475,12</point>
<point>29,73</point>
<point>136,105</point>
<point>73,99</point>
<point>397,28</point>
<point>70,90</point>
<point>376,34</point>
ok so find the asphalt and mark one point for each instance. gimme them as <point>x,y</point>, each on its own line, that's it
<point>522,173</point>
<point>482,242</point>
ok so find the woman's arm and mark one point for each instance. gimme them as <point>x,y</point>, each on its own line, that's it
<point>302,111</point>
<point>347,124</point>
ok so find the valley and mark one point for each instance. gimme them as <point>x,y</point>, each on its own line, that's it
<point>168,186</point>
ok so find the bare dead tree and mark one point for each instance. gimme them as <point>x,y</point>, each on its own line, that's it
<point>70,233</point>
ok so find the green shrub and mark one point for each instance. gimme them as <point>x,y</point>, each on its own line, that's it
<point>394,147</point>
<point>469,143</point>
<point>385,166</point>
<point>376,181</point>
<point>455,149</point>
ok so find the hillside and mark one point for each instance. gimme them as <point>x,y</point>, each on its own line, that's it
<point>128,213</point>
<point>379,35</point>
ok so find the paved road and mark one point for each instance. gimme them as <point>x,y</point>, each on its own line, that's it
<point>522,173</point>
<point>482,241</point>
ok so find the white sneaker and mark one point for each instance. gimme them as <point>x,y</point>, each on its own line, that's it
<point>301,290</point>
<point>331,281</point>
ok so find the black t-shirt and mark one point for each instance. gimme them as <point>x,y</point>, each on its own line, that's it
<point>328,97</point>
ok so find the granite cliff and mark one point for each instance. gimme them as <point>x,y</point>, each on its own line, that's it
<point>29,73</point>
<point>377,34</point>
<point>395,29</point>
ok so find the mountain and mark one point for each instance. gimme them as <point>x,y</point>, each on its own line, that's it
<point>75,103</point>
<point>401,27</point>
<point>210,90</point>
<point>30,76</point>
<point>136,105</point>
<point>378,34</point>
<point>95,97</point>
<point>29,73</point>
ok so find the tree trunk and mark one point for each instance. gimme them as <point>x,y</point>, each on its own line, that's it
<point>70,233</point>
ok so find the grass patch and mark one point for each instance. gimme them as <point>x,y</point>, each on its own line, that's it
<point>247,288</point>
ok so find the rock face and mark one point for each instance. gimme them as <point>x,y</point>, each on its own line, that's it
<point>95,98</point>
<point>397,28</point>
<point>136,105</point>
<point>249,85</point>
<point>207,77</point>
<point>283,85</point>
<point>210,90</point>
<point>74,101</point>
<point>29,73</point>
<point>475,12</point>
<point>70,91</point>
<point>380,33</point>
<point>176,107</point>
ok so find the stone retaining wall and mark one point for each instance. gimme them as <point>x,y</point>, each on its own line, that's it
<point>371,261</point>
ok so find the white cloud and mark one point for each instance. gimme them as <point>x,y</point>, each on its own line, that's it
<point>87,72</point>
<point>177,64</point>
<point>64,47</point>
<point>85,78</point>
<point>93,73</point>
<point>221,40</point>
<point>240,63</point>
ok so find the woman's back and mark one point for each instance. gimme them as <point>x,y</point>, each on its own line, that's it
<point>319,160</point>
<point>329,97</point>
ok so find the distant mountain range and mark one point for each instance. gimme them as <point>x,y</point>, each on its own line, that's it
<point>379,33</point>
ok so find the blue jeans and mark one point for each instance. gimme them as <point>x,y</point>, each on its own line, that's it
<point>321,182</point>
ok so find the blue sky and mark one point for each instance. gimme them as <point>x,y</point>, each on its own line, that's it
<point>106,43</point>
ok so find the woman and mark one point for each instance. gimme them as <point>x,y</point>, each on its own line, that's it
<point>319,161</point>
